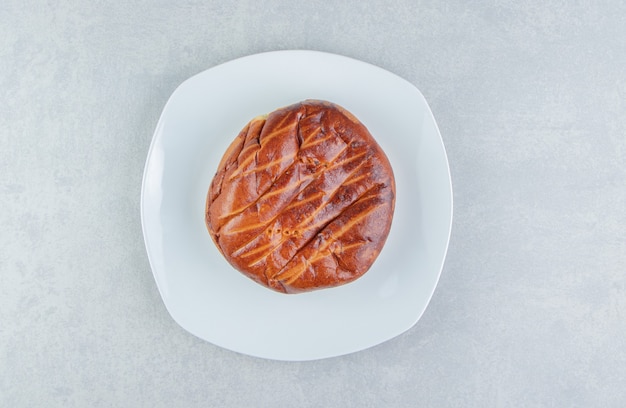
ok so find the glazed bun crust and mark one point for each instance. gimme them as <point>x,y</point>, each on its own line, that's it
<point>302,199</point>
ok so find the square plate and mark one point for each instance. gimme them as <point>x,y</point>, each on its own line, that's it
<point>213,301</point>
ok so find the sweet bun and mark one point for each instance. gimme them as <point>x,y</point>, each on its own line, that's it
<point>302,199</point>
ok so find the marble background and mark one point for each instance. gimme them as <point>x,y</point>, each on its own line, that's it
<point>530,98</point>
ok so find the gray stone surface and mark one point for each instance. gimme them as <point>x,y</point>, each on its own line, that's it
<point>531,102</point>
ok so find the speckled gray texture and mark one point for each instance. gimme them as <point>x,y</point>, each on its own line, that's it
<point>531,102</point>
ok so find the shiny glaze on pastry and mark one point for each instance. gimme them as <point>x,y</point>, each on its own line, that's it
<point>302,199</point>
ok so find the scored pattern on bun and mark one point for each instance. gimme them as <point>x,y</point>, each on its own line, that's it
<point>302,199</point>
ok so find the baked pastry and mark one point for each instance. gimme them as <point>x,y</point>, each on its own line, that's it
<point>302,199</point>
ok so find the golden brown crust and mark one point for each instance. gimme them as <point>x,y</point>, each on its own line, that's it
<point>302,199</point>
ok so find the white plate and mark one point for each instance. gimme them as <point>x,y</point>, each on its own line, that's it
<point>210,299</point>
